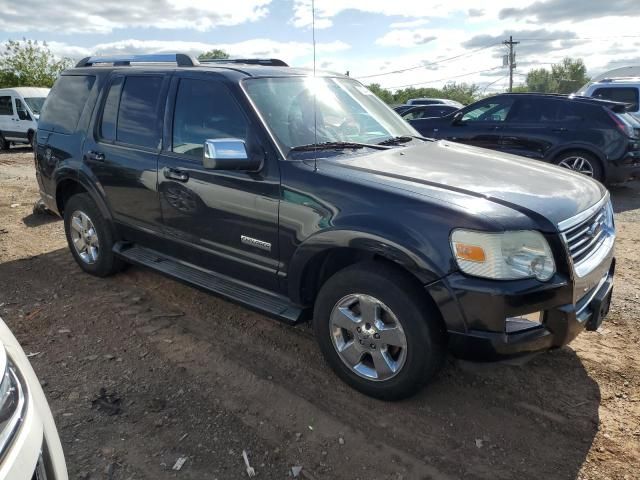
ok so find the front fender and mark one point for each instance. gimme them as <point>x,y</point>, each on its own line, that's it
<point>416,263</point>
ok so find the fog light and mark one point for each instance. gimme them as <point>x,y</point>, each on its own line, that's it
<point>523,322</point>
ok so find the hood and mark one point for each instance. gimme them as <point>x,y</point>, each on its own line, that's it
<point>531,187</point>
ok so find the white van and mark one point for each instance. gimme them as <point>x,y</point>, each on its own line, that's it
<point>19,112</point>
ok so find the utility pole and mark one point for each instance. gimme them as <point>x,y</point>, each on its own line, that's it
<point>511,60</point>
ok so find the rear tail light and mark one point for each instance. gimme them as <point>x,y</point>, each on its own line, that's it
<point>623,126</point>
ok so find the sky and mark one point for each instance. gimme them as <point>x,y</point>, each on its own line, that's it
<point>396,43</point>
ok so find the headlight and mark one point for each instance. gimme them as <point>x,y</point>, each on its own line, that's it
<point>503,256</point>
<point>12,402</point>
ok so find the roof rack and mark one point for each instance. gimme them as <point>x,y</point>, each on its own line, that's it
<point>180,59</point>
<point>269,62</point>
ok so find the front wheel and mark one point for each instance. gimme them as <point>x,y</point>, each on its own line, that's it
<point>377,330</point>
<point>90,237</point>
<point>581,162</point>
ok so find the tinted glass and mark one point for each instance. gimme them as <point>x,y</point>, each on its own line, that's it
<point>65,103</point>
<point>140,108</point>
<point>110,111</point>
<point>619,94</point>
<point>205,110</point>
<point>492,110</point>
<point>6,108</point>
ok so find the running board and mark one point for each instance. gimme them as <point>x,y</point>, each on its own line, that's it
<point>247,295</point>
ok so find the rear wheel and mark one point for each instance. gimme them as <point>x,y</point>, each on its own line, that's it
<point>90,237</point>
<point>581,162</point>
<point>377,330</point>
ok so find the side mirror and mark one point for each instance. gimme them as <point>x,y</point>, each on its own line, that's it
<point>228,154</point>
<point>457,118</point>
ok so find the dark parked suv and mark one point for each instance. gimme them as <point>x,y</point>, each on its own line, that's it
<point>595,137</point>
<point>305,196</point>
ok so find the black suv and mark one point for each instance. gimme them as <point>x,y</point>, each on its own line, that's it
<point>305,196</point>
<point>594,137</point>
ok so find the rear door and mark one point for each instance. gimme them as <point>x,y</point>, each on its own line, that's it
<point>6,116</point>
<point>532,127</point>
<point>480,125</point>
<point>122,153</point>
<point>222,220</point>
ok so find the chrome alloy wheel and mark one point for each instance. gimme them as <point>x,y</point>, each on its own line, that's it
<point>578,164</point>
<point>84,237</point>
<point>368,337</point>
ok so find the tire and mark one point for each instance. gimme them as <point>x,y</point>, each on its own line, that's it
<point>582,162</point>
<point>92,231</point>
<point>30,137</point>
<point>400,301</point>
<point>4,144</point>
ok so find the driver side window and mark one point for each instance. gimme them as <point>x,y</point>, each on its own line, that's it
<point>205,110</point>
<point>492,110</point>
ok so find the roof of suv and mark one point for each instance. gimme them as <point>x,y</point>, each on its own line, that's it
<point>615,106</point>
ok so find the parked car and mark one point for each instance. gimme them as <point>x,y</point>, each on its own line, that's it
<point>433,101</point>
<point>594,137</point>
<point>30,447</point>
<point>625,90</point>
<point>302,196</point>
<point>427,111</point>
<point>19,112</point>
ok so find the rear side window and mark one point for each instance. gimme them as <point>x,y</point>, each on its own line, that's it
<point>618,94</point>
<point>139,113</point>
<point>6,108</point>
<point>64,105</point>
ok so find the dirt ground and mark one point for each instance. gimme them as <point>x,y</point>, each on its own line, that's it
<point>185,374</point>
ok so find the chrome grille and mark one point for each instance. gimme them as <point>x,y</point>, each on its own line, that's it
<point>587,236</point>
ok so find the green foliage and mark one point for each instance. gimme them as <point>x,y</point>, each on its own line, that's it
<point>216,53</point>
<point>565,77</point>
<point>28,63</point>
<point>462,92</point>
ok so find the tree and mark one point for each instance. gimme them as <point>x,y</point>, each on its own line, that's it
<point>216,53</point>
<point>565,77</point>
<point>28,63</point>
<point>462,92</point>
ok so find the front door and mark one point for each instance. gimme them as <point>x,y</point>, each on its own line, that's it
<point>123,155</point>
<point>481,123</point>
<point>225,221</point>
<point>24,122</point>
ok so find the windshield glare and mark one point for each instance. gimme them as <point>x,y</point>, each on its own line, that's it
<point>346,111</point>
<point>35,104</point>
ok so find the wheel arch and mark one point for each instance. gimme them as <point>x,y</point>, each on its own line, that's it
<point>326,253</point>
<point>69,185</point>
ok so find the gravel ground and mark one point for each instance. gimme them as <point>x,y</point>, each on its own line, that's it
<point>141,370</point>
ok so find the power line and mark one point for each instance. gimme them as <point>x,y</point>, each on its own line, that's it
<point>423,65</point>
<point>446,78</point>
<point>493,83</point>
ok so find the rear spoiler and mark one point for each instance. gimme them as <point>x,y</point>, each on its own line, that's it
<point>616,107</point>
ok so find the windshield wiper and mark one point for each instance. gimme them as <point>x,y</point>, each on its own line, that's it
<point>336,146</point>
<point>396,140</point>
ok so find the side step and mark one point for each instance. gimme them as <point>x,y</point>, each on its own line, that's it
<point>271,304</point>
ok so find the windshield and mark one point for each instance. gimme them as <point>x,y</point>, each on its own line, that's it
<point>35,104</point>
<point>346,111</point>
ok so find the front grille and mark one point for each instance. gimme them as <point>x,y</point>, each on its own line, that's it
<point>583,239</point>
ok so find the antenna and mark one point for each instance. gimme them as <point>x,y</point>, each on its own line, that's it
<point>315,111</point>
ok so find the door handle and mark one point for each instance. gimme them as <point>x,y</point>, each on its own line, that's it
<point>175,174</point>
<point>95,156</point>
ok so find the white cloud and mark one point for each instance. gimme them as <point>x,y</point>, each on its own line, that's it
<point>105,16</point>
<point>410,23</point>
<point>287,51</point>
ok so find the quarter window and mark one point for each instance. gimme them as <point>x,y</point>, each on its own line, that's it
<point>138,121</point>
<point>64,105</point>
<point>6,108</point>
<point>110,111</point>
<point>205,110</point>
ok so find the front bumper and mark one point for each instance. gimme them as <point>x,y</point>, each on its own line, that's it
<point>475,312</point>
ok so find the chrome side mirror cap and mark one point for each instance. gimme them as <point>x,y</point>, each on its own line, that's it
<point>228,154</point>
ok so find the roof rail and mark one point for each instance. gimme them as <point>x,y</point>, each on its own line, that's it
<point>270,62</point>
<point>181,59</point>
